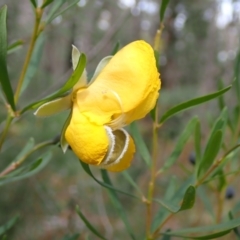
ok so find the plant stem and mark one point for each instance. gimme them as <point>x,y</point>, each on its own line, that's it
<point>38,16</point>
<point>5,130</point>
<point>151,185</point>
<point>215,165</point>
<point>16,164</point>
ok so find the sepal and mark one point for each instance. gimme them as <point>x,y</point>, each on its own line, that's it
<point>75,58</point>
<point>54,107</point>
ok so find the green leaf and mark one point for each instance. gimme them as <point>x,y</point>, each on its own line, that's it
<point>208,236</point>
<point>88,171</point>
<point>164,212</point>
<point>221,101</point>
<point>4,78</point>
<point>88,224</point>
<point>8,225</point>
<point>140,143</point>
<point>29,145</point>
<point>66,87</point>
<point>222,182</point>
<point>163,9</point>
<point>116,48</point>
<point>27,171</point>
<point>34,62</point>
<point>214,230</point>
<point>63,141</point>
<point>236,231</point>
<point>171,199</point>
<point>210,153</point>
<point>34,3</point>
<point>55,6</point>
<point>237,75</point>
<point>65,9</point>
<point>197,142</point>
<point>214,144</point>
<point>191,103</point>
<point>131,181</point>
<point>180,144</point>
<point>14,46</point>
<point>186,203</point>
<point>117,204</point>
<point>46,3</point>
<point>71,237</point>
<point>206,201</point>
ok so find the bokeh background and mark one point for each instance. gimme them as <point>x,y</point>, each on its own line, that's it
<point>199,45</point>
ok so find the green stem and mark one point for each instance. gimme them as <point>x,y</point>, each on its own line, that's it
<point>153,177</point>
<point>36,31</point>
<point>35,34</point>
<point>215,165</point>
<point>5,130</point>
<point>16,164</point>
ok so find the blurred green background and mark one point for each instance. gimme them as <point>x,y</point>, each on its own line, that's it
<point>199,45</point>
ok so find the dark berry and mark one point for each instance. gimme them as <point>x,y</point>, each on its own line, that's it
<point>229,192</point>
<point>192,158</point>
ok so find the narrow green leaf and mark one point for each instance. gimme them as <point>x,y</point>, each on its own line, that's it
<point>29,170</point>
<point>4,78</point>
<point>34,62</point>
<point>153,111</point>
<point>117,204</point>
<point>55,6</point>
<point>88,171</point>
<point>14,46</point>
<point>88,224</point>
<point>237,75</point>
<point>221,180</point>
<point>197,142</point>
<point>164,212</point>
<point>29,145</point>
<point>66,87</point>
<point>163,9</point>
<point>63,141</point>
<point>236,231</point>
<point>131,181</point>
<point>186,203</point>
<point>191,103</point>
<point>72,237</point>
<point>180,144</point>
<point>8,225</point>
<point>65,9</point>
<point>140,144</point>
<point>116,48</point>
<point>46,3</point>
<point>221,101</point>
<point>208,236</point>
<point>213,144</point>
<point>214,230</point>
<point>171,199</point>
<point>210,153</point>
<point>206,201</point>
<point>34,3</point>
<point>188,199</point>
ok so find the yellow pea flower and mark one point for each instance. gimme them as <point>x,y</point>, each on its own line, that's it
<point>123,89</point>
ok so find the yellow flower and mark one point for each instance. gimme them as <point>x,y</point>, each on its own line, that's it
<point>123,89</point>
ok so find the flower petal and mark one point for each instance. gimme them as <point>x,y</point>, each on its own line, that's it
<point>89,141</point>
<point>55,106</point>
<point>121,157</point>
<point>128,82</point>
